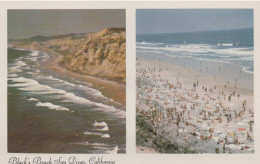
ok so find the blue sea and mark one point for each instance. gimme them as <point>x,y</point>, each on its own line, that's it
<point>54,113</point>
<point>235,47</point>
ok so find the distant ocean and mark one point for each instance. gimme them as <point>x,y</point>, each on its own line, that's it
<point>54,113</point>
<point>227,46</point>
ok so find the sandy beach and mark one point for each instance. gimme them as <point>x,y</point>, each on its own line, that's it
<point>109,88</point>
<point>195,108</point>
<point>67,87</point>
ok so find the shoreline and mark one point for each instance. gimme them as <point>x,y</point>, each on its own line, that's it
<point>111,89</point>
<point>223,71</point>
<point>205,106</point>
<point>43,101</point>
<point>190,75</point>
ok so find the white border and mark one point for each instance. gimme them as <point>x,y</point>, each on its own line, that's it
<point>130,156</point>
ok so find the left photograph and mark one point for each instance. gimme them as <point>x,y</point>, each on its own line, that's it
<point>67,81</point>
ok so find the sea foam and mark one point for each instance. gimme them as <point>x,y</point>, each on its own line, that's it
<point>51,106</point>
<point>98,124</point>
<point>113,151</point>
<point>103,129</point>
<point>32,99</point>
<point>33,86</point>
<point>97,134</point>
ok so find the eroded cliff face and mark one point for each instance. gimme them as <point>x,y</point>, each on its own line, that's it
<point>101,54</point>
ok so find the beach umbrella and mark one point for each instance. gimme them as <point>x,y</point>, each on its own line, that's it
<point>241,129</point>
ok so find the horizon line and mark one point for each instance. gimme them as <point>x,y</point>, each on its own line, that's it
<point>195,31</point>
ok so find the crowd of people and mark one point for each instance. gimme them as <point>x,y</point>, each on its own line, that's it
<point>206,118</point>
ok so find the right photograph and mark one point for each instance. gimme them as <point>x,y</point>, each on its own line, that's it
<point>195,81</point>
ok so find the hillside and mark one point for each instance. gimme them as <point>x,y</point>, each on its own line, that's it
<point>101,54</point>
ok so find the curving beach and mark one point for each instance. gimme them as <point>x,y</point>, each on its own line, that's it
<point>62,99</point>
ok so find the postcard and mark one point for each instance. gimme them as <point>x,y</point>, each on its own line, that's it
<point>111,82</point>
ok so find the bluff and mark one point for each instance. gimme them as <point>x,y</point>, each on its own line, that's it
<point>101,54</point>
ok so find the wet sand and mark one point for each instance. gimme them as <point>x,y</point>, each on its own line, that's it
<point>109,88</point>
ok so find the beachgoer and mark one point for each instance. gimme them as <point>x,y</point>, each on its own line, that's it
<point>229,97</point>
<point>248,136</point>
<point>251,128</point>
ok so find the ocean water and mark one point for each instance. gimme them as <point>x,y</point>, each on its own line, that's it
<point>231,51</point>
<point>53,113</point>
<point>227,46</point>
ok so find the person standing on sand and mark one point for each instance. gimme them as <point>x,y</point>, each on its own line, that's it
<point>251,128</point>
<point>194,85</point>
<point>230,118</point>
<point>248,136</point>
<point>244,104</point>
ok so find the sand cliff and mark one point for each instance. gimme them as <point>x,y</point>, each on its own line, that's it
<point>99,54</point>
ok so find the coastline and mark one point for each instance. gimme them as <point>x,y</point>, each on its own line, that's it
<point>188,76</point>
<point>223,71</point>
<point>45,99</point>
<point>111,89</point>
<point>169,73</point>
